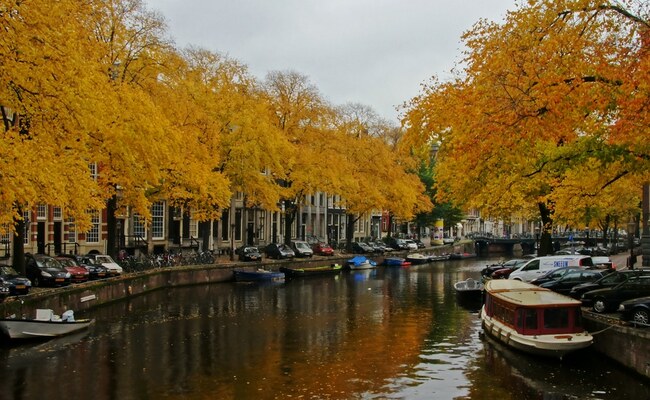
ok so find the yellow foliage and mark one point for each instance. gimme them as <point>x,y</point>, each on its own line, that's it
<point>551,109</point>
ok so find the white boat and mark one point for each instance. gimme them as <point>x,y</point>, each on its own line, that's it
<point>469,287</point>
<point>533,319</point>
<point>45,325</point>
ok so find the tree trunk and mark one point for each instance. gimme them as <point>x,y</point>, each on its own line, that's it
<point>111,227</point>
<point>18,244</point>
<point>290,210</point>
<point>546,241</point>
<point>349,231</point>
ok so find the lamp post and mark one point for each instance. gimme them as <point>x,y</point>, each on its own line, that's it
<point>630,239</point>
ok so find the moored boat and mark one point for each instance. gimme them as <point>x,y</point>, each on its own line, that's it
<point>361,262</point>
<point>257,275</point>
<point>469,287</point>
<point>533,319</point>
<point>45,325</point>
<point>396,262</point>
<point>293,272</point>
<point>417,258</point>
<point>469,293</point>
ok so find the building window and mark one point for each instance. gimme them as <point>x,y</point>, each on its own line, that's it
<point>194,226</point>
<point>139,229</point>
<point>41,212</point>
<point>27,226</point>
<point>72,231</point>
<point>5,234</point>
<point>158,220</point>
<point>93,234</point>
<point>93,171</point>
<point>58,215</point>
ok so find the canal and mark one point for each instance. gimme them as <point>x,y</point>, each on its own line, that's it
<point>387,333</point>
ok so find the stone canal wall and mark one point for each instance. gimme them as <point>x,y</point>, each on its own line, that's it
<point>627,345</point>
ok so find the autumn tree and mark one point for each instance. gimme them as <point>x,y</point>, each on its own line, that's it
<point>377,177</point>
<point>550,111</point>
<point>50,101</point>
<point>304,118</point>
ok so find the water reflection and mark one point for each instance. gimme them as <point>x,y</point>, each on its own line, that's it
<point>382,333</point>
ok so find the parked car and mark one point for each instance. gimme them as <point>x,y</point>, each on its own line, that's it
<point>397,244</point>
<point>16,283</point>
<point>105,260</point>
<point>512,264</point>
<point>95,270</point>
<point>608,280</point>
<point>279,250</point>
<point>636,311</point>
<point>44,270</point>
<point>301,248</point>
<point>540,265</point>
<point>362,248</point>
<point>567,281</point>
<point>506,269</point>
<point>552,275</point>
<point>379,247</point>
<point>4,291</point>
<point>249,253</point>
<point>419,243</point>
<point>78,274</point>
<point>608,299</point>
<point>411,244</point>
<point>323,249</point>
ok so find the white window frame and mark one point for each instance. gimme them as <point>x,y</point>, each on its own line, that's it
<point>57,213</point>
<point>26,236</point>
<point>94,171</point>
<point>94,233</point>
<point>41,212</point>
<point>139,227</point>
<point>158,220</point>
<point>71,230</point>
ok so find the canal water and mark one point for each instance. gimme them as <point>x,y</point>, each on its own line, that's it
<point>387,333</point>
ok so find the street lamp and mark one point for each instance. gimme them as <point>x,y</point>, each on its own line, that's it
<point>631,226</point>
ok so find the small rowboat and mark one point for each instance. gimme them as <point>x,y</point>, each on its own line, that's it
<point>45,325</point>
<point>257,275</point>
<point>292,272</point>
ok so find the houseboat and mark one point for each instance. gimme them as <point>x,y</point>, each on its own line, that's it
<point>532,319</point>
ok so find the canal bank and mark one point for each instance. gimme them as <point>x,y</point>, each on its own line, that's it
<point>82,297</point>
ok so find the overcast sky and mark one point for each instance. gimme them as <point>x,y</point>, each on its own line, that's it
<point>373,52</point>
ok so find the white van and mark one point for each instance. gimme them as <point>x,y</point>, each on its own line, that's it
<point>539,265</point>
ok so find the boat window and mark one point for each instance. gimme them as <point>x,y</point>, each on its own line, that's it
<point>531,266</point>
<point>531,319</point>
<point>556,318</point>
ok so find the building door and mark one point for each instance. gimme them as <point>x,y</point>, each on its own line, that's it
<point>250,233</point>
<point>58,237</point>
<point>40,237</point>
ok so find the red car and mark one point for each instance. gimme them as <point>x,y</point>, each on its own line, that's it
<point>323,249</point>
<point>78,273</point>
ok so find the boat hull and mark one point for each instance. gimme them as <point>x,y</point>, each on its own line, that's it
<point>29,329</point>
<point>555,346</point>
<point>258,276</point>
<point>311,271</point>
